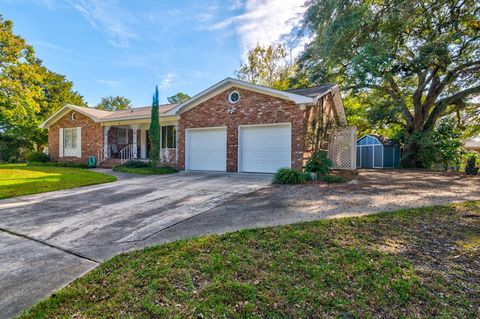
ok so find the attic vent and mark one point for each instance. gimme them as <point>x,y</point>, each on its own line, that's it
<point>73,116</point>
<point>234,97</point>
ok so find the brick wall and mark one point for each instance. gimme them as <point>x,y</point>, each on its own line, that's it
<point>92,137</point>
<point>253,108</point>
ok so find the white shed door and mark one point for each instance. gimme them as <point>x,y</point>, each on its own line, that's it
<point>265,149</point>
<point>206,150</point>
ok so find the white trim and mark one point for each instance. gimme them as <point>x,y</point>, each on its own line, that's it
<point>60,142</point>
<point>65,109</point>
<point>187,143</point>
<point>230,97</point>
<point>79,141</point>
<point>371,137</point>
<point>239,140</point>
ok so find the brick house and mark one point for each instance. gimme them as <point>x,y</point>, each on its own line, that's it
<point>233,126</point>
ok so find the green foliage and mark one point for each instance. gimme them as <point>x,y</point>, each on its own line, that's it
<point>425,148</point>
<point>38,157</point>
<point>414,61</point>
<point>113,103</point>
<point>441,146</point>
<point>308,176</point>
<point>154,131</point>
<point>58,164</point>
<point>333,179</point>
<point>288,176</point>
<point>135,164</point>
<point>29,94</point>
<point>180,97</point>
<point>319,164</point>
<point>272,66</point>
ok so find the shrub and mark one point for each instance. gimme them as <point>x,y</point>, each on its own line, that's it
<point>333,179</point>
<point>288,176</point>
<point>319,163</point>
<point>136,164</point>
<point>145,170</point>
<point>308,176</point>
<point>38,157</point>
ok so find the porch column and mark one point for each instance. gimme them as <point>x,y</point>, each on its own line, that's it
<point>134,140</point>
<point>143,143</point>
<point>106,154</point>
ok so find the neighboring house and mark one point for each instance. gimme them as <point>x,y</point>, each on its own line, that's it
<point>473,145</point>
<point>232,126</point>
<point>375,151</point>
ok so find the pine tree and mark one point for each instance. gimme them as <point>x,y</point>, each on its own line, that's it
<point>154,131</point>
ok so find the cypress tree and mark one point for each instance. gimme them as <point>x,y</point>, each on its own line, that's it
<point>154,132</point>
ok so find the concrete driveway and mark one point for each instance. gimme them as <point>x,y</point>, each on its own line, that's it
<point>49,239</point>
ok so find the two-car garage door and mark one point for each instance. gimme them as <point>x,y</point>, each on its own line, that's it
<point>261,148</point>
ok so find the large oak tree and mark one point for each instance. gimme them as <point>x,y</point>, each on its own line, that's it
<point>419,60</point>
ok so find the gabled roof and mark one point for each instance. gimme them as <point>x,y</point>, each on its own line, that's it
<point>300,97</point>
<point>105,116</point>
<point>230,82</point>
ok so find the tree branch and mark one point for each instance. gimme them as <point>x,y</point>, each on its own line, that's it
<point>441,105</point>
<point>396,95</point>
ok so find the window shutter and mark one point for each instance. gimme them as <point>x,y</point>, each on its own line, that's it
<point>79,142</point>
<point>60,142</point>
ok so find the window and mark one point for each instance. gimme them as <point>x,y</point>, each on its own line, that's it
<point>122,136</point>
<point>234,97</point>
<point>71,141</point>
<point>169,136</point>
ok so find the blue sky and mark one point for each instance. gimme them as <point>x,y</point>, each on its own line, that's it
<point>109,47</point>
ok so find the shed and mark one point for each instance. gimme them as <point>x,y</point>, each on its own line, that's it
<point>375,151</point>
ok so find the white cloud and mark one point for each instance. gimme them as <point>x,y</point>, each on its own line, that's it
<point>264,21</point>
<point>108,17</point>
<point>167,81</point>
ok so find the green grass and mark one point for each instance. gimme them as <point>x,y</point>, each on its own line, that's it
<point>20,179</point>
<point>145,170</point>
<point>418,263</point>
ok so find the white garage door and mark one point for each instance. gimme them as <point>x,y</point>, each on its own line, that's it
<point>265,149</point>
<point>206,149</point>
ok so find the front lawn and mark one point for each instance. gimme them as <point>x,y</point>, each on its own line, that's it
<point>145,170</point>
<point>412,263</point>
<point>20,179</point>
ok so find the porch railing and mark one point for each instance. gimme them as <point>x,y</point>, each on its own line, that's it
<point>126,153</point>
<point>103,154</point>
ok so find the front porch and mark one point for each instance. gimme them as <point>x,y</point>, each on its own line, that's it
<point>123,142</point>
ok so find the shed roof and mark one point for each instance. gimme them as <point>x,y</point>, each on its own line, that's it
<point>385,141</point>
